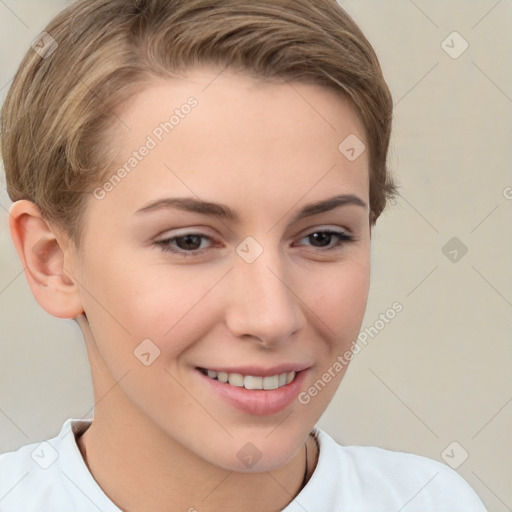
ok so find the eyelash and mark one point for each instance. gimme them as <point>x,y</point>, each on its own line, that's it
<point>165,245</point>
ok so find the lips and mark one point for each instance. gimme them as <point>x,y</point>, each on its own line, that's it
<point>256,400</point>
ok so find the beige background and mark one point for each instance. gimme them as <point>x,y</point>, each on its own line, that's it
<point>440,371</point>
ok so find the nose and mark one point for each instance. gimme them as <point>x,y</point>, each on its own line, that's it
<point>263,303</point>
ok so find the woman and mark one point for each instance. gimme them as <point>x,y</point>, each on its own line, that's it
<point>196,183</point>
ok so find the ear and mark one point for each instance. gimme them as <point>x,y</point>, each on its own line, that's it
<point>43,256</point>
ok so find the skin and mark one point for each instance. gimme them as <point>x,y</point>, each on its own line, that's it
<point>161,440</point>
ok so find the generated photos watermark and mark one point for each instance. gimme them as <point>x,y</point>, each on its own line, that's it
<point>152,140</point>
<point>344,359</point>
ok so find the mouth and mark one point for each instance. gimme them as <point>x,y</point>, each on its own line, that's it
<point>255,390</point>
<point>251,382</point>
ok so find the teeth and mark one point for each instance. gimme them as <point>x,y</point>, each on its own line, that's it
<point>271,382</point>
<point>236,379</point>
<point>251,382</point>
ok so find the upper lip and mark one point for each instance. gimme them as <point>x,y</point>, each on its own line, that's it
<point>258,371</point>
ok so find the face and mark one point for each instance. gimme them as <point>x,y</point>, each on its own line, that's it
<point>206,254</point>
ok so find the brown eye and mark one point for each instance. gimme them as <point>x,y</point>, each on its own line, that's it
<point>184,245</point>
<point>323,239</point>
<point>188,242</point>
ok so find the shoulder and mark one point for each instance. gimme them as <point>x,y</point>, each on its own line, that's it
<point>22,473</point>
<point>49,475</point>
<point>383,477</point>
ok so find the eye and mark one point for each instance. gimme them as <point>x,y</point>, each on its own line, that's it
<point>189,244</point>
<point>323,239</point>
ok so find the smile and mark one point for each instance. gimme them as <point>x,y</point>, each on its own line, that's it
<point>250,381</point>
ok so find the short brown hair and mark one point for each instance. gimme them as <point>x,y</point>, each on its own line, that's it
<point>59,107</point>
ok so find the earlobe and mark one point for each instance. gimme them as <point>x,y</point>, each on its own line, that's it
<point>43,257</point>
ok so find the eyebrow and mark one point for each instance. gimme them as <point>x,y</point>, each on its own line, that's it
<point>191,204</point>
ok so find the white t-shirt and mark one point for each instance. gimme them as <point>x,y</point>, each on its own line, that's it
<point>52,476</point>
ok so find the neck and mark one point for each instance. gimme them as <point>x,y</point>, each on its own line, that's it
<point>159,475</point>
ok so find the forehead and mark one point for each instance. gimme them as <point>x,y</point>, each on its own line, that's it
<point>224,132</point>
<point>232,99</point>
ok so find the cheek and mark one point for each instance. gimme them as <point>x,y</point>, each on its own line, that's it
<point>133,301</point>
<point>339,301</point>
<point>338,296</point>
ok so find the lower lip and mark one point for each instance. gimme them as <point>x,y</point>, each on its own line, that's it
<point>258,402</point>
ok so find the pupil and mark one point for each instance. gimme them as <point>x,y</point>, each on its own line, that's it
<point>191,242</point>
<point>322,237</point>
